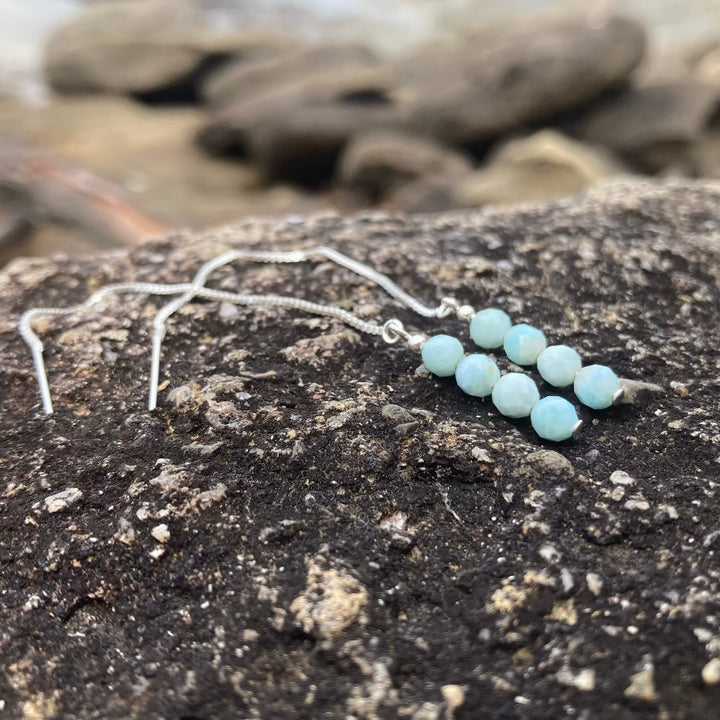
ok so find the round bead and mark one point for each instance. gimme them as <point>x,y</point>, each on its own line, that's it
<point>554,418</point>
<point>488,327</point>
<point>596,385</point>
<point>558,365</point>
<point>441,354</point>
<point>515,394</point>
<point>476,375</point>
<point>523,343</point>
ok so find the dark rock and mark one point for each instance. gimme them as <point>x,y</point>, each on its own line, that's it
<point>297,130</point>
<point>657,127</point>
<point>242,80</point>
<point>378,164</point>
<point>470,91</point>
<point>319,564</point>
<point>158,51</point>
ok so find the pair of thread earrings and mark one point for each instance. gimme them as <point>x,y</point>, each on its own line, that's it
<point>514,394</point>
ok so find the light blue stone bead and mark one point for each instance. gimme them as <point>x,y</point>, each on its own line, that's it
<point>477,374</point>
<point>441,354</point>
<point>523,343</point>
<point>554,418</point>
<point>515,394</point>
<point>488,328</point>
<point>558,365</point>
<point>596,385</point>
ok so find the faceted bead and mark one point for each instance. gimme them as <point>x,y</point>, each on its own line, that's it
<point>596,385</point>
<point>523,343</point>
<point>441,354</point>
<point>554,418</point>
<point>515,394</point>
<point>477,374</point>
<point>488,327</point>
<point>558,365</point>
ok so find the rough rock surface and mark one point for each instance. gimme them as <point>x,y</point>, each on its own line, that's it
<point>158,50</point>
<point>307,527</point>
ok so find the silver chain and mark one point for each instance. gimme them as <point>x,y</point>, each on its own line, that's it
<point>391,331</point>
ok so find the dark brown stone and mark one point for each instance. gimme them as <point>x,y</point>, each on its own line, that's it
<point>269,543</point>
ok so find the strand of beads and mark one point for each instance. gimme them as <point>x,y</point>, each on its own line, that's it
<point>515,395</point>
<point>596,386</point>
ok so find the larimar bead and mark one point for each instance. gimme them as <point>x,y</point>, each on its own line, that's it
<point>477,374</point>
<point>596,386</point>
<point>554,418</point>
<point>441,354</point>
<point>488,328</point>
<point>558,365</point>
<point>523,343</point>
<point>515,394</point>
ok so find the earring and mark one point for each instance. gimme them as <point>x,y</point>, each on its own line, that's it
<point>595,386</point>
<point>515,395</point>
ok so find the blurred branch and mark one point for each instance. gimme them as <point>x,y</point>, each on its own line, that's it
<point>36,187</point>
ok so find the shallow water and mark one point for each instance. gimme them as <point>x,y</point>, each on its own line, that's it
<point>390,27</point>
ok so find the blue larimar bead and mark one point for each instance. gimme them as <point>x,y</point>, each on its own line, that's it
<point>515,394</point>
<point>441,354</point>
<point>523,343</point>
<point>488,328</point>
<point>554,418</point>
<point>596,386</point>
<point>558,365</point>
<point>476,375</point>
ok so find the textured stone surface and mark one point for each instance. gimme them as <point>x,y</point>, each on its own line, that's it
<point>345,535</point>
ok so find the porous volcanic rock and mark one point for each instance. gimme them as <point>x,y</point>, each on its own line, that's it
<point>310,527</point>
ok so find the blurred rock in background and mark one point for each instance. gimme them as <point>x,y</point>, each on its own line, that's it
<point>194,113</point>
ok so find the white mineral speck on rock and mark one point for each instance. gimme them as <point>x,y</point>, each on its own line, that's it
<point>642,686</point>
<point>157,553</point>
<point>454,696</point>
<point>711,672</point>
<point>620,477</point>
<point>584,680</point>
<point>594,583</point>
<point>62,500</point>
<point>161,533</point>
